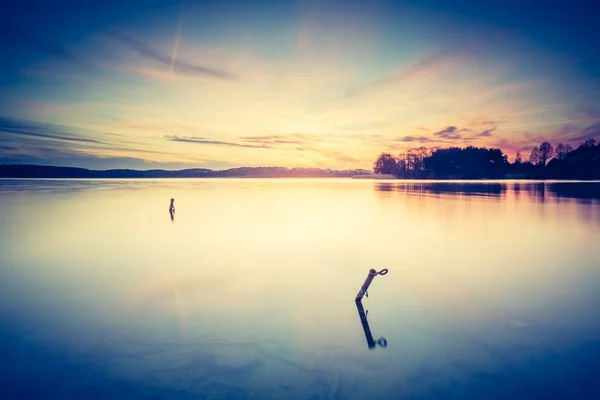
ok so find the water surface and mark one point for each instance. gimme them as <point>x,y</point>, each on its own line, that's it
<point>248,293</point>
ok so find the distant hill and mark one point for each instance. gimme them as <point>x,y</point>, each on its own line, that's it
<point>43,171</point>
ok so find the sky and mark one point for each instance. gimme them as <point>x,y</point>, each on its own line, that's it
<point>331,84</point>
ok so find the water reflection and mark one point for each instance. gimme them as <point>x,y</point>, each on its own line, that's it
<point>579,191</point>
<point>494,292</point>
<point>371,343</point>
<point>441,188</point>
<point>538,191</point>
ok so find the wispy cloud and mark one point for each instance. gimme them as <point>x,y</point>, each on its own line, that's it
<point>486,133</point>
<point>568,134</point>
<point>33,150</point>
<point>28,140</point>
<point>568,129</point>
<point>272,139</point>
<point>176,42</point>
<point>171,62</point>
<point>420,139</point>
<point>590,111</point>
<point>8,148</point>
<point>436,60</point>
<point>46,131</point>
<point>592,131</point>
<point>207,141</point>
<point>70,158</point>
<point>548,123</point>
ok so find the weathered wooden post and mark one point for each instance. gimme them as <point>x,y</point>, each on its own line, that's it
<point>365,286</point>
<point>172,209</point>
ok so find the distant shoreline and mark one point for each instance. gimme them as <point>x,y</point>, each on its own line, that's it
<point>18,171</point>
<point>43,171</point>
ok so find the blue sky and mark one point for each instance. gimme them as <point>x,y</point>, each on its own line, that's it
<point>145,84</point>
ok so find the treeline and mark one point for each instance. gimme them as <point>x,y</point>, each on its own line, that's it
<point>545,162</point>
<point>42,171</point>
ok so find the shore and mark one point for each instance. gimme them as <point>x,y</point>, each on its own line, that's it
<point>375,176</point>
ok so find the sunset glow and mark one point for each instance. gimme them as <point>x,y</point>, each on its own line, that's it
<point>311,83</point>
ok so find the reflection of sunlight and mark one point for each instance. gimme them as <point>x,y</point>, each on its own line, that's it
<point>288,255</point>
<point>180,309</point>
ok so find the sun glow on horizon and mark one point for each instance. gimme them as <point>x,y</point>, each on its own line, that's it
<point>327,84</point>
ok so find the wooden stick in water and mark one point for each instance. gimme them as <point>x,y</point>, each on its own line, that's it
<point>365,286</point>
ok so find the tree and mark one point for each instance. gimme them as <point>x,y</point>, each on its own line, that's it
<point>518,159</point>
<point>589,143</point>
<point>562,150</point>
<point>411,162</point>
<point>546,152</point>
<point>534,157</point>
<point>385,164</point>
<point>468,163</point>
<point>422,154</point>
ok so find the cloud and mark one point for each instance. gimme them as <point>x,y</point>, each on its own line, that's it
<point>36,142</point>
<point>434,61</point>
<point>304,138</point>
<point>421,139</point>
<point>206,141</point>
<point>34,151</point>
<point>171,62</point>
<point>482,121</point>
<point>45,131</point>
<point>590,111</point>
<point>71,159</point>
<point>271,139</point>
<point>486,133</point>
<point>568,129</point>
<point>592,131</point>
<point>294,141</point>
<point>448,133</point>
<point>305,142</point>
<point>551,123</point>
<point>574,135</point>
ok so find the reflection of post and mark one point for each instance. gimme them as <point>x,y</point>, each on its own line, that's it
<point>365,325</point>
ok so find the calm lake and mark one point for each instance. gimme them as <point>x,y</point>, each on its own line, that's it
<point>493,289</point>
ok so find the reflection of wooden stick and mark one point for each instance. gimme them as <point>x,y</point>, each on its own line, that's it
<point>365,325</point>
<point>365,286</point>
